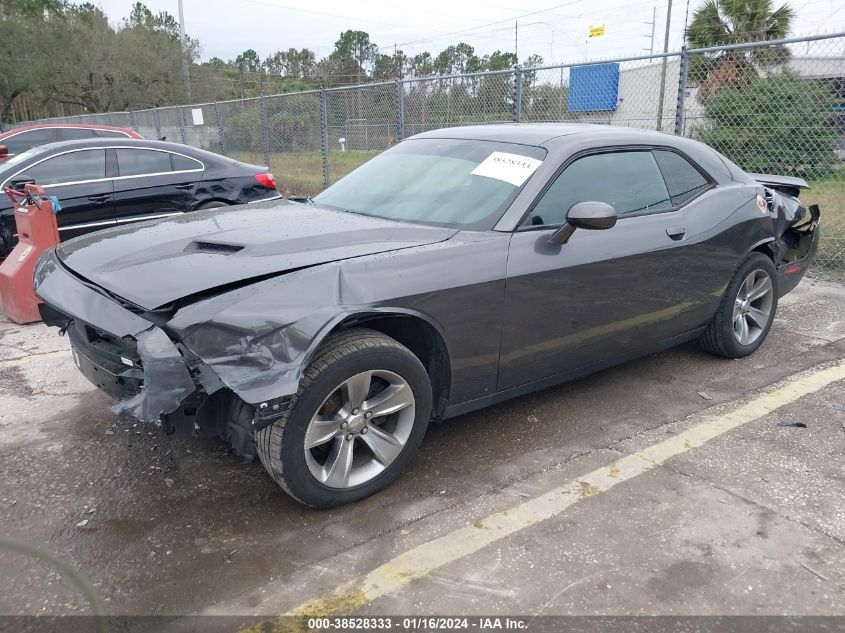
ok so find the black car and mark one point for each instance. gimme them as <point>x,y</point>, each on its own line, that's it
<point>107,182</point>
<point>460,268</point>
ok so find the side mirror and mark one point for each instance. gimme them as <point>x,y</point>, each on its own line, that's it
<point>19,181</point>
<point>592,216</point>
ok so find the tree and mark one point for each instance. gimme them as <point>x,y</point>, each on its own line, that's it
<point>722,22</point>
<point>529,78</point>
<point>498,60</point>
<point>217,63</point>
<point>390,66</point>
<point>780,124</point>
<point>353,55</point>
<point>251,61</point>
<point>545,102</point>
<point>295,63</point>
<point>421,65</point>
<point>532,61</point>
<point>455,60</point>
<point>21,22</point>
<point>140,16</point>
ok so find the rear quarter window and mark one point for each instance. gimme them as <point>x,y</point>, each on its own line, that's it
<point>683,180</point>
<point>183,163</point>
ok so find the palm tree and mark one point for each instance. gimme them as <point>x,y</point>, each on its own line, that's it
<point>723,22</point>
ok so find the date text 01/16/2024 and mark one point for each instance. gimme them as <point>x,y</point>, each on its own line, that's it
<point>415,623</point>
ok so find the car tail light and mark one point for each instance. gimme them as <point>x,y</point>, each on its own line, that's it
<point>4,152</point>
<point>266,179</point>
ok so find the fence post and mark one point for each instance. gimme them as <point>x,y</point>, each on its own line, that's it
<point>220,131</point>
<point>400,109</point>
<point>517,94</point>
<point>682,92</point>
<point>324,111</point>
<point>265,130</point>
<point>157,123</point>
<point>133,119</point>
<point>181,119</point>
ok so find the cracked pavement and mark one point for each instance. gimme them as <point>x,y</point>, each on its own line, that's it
<point>753,522</point>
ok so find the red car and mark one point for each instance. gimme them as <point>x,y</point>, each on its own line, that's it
<point>25,137</point>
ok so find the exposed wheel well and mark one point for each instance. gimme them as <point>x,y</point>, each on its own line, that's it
<point>212,203</point>
<point>766,249</point>
<point>425,343</point>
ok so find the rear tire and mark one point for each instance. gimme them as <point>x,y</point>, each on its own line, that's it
<point>302,451</point>
<point>746,312</point>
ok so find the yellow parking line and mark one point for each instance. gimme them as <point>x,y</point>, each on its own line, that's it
<point>425,558</point>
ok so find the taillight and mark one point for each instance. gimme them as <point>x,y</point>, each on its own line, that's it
<point>266,179</point>
<point>4,152</point>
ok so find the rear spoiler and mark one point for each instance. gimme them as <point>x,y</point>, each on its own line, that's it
<point>789,185</point>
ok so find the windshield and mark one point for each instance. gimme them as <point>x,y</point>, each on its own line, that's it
<point>7,167</point>
<point>464,184</point>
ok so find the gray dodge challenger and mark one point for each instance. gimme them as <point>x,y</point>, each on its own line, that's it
<point>460,268</point>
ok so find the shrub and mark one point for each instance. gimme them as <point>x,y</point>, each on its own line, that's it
<point>780,124</point>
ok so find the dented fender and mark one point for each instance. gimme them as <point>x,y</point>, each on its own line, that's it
<point>259,339</point>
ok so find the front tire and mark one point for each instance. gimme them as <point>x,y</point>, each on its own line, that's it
<point>355,423</point>
<point>746,312</point>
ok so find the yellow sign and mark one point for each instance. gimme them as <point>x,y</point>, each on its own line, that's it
<point>596,31</point>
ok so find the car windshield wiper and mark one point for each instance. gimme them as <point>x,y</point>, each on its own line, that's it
<point>302,199</point>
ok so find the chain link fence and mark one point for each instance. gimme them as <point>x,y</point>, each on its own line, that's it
<point>774,107</point>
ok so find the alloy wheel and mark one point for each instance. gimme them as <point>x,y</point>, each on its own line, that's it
<point>360,429</point>
<point>753,307</point>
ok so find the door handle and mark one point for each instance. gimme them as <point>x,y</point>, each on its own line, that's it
<point>676,232</point>
<point>100,198</point>
<point>185,187</point>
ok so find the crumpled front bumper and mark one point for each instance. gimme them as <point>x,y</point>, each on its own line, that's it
<point>158,369</point>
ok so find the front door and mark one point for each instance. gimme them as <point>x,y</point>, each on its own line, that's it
<point>78,180</point>
<point>604,294</point>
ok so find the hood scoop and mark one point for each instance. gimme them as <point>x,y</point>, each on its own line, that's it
<point>215,248</point>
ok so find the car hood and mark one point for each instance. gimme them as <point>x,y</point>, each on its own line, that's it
<point>152,264</point>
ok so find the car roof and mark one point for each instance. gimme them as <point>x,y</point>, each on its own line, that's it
<point>542,134</point>
<point>84,126</point>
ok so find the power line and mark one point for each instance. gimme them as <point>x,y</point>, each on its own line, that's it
<point>495,22</point>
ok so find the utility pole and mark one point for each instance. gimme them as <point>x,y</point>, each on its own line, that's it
<point>185,59</point>
<point>653,24</point>
<point>663,69</point>
<point>516,40</point>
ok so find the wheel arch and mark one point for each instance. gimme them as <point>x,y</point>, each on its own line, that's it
<point>420,335</point>
<point>763,246</point>
<point>228,203</point>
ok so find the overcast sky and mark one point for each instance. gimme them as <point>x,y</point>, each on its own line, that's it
<point>555,30</point>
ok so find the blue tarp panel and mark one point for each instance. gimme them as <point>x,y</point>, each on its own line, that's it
<point>593,88</point>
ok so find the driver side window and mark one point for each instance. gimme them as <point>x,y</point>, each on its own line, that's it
<point>629,181</point>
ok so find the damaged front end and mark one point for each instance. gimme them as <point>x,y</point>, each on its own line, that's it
<point>124,352</point>
<point>796,228</point>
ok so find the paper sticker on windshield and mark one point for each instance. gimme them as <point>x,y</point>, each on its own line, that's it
<point>512,168</point>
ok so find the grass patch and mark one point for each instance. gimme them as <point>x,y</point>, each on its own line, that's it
<point>301,173</point>
<point>829,194</point>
